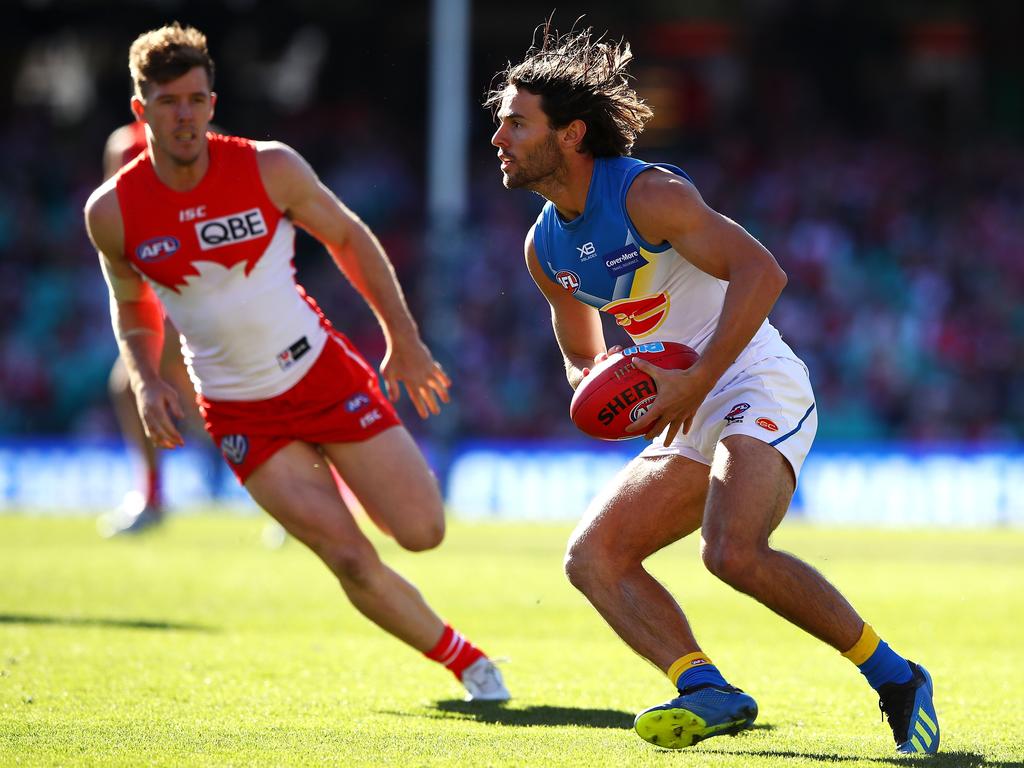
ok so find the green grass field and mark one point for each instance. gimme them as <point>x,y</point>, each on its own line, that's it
<point>196,645</point>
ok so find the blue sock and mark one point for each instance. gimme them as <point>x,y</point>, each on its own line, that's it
<point>885,666</point>
<point>700,675</point>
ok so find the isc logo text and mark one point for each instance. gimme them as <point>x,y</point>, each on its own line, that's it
<point>231,229</point>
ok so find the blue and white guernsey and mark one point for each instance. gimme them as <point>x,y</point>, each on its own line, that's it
<point>652,291</point>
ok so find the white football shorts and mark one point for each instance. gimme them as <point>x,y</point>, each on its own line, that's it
<point>770,400</point>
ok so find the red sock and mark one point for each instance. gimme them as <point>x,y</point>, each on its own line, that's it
<point>153,494</point>
<point>454,651</point>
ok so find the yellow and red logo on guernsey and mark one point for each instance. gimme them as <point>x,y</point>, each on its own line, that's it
<point>641,316</point>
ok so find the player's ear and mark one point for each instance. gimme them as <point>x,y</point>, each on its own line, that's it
<point>573,133</point>
<point>213,103</point>
<point>138,107</point>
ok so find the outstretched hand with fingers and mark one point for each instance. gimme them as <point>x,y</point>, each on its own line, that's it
<point>159,408</point>
<point>412,364</point>
<point>680,394</point>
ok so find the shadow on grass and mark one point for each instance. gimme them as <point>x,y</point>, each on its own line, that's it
<point>497,712</point>
<point>941,760</point>
<point>494,712</point>
<point>87,621</point>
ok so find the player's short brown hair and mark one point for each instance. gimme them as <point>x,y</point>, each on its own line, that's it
<point>165,54</point>
<point>580,77</point>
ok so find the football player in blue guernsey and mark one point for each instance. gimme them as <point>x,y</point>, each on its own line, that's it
<point>636,240</point>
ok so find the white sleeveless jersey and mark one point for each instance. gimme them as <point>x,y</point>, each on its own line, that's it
<point>653,292</point>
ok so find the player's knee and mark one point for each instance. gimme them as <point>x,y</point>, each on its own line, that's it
<point>423,536</point>
<point>575,569</point>
<point>584,565</point>
<point>732,562</point>
<point>355,564</point>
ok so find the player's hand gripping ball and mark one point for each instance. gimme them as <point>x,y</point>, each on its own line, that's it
<point>616,393</point>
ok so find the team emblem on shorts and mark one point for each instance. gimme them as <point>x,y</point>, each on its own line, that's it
<point>235,448</point>
<point>768,424</point>
<point>735,416</point>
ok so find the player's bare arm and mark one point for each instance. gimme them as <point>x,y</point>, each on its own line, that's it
<point>137,319</point>
<point>667,208</point>
<point>577,327</point>
<point>294,187</point>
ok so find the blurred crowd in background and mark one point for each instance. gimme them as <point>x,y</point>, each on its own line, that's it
<point>878,153</point>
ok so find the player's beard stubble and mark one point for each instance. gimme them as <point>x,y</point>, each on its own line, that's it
<point>537,168</point>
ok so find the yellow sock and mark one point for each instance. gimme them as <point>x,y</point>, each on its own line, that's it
<point>864,647</point>
<point>680,665</point>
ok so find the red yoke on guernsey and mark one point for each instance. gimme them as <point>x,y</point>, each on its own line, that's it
<point>268,368</point>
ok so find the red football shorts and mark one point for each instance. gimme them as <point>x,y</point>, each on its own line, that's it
<point>338,401</point>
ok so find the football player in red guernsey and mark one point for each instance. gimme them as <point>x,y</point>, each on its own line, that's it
<point>202,226</point>
<point>140,510</point>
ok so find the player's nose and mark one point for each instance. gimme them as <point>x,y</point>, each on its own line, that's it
<point>498,138</point>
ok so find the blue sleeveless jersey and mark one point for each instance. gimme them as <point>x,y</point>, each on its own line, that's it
<point>653,292</point>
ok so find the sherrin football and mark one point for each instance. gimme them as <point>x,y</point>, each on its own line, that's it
<point>616,393</point>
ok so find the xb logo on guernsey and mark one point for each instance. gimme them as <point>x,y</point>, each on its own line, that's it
<point>587,251</point>
<point>568,280</point>
<point>641,316</point>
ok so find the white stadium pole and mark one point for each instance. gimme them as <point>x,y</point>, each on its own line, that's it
<point>447,151</point>
<point>447,193</point>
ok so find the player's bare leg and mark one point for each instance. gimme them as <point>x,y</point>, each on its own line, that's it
<point>142,507</point>
<point>145,508</point>
<point>751,488</point>
<point>296,487</point>
<point>127,413</point>
<point>652,503</point>
<point>411,511</point>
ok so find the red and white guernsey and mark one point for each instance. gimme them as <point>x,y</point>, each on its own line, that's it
<point>220,258</point>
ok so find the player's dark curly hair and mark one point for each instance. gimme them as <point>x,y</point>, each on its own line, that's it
<point>165,54</point>
<point>580,77</point>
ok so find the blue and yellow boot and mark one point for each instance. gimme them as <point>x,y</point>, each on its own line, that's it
<point>911,713</point>
<point>698,713</point>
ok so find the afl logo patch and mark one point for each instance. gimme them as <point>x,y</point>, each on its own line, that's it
<point>235,448</point>
<point>640,409</point>
<point>768,424</point>
<point>568,280</point>
<point>156,249</point>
